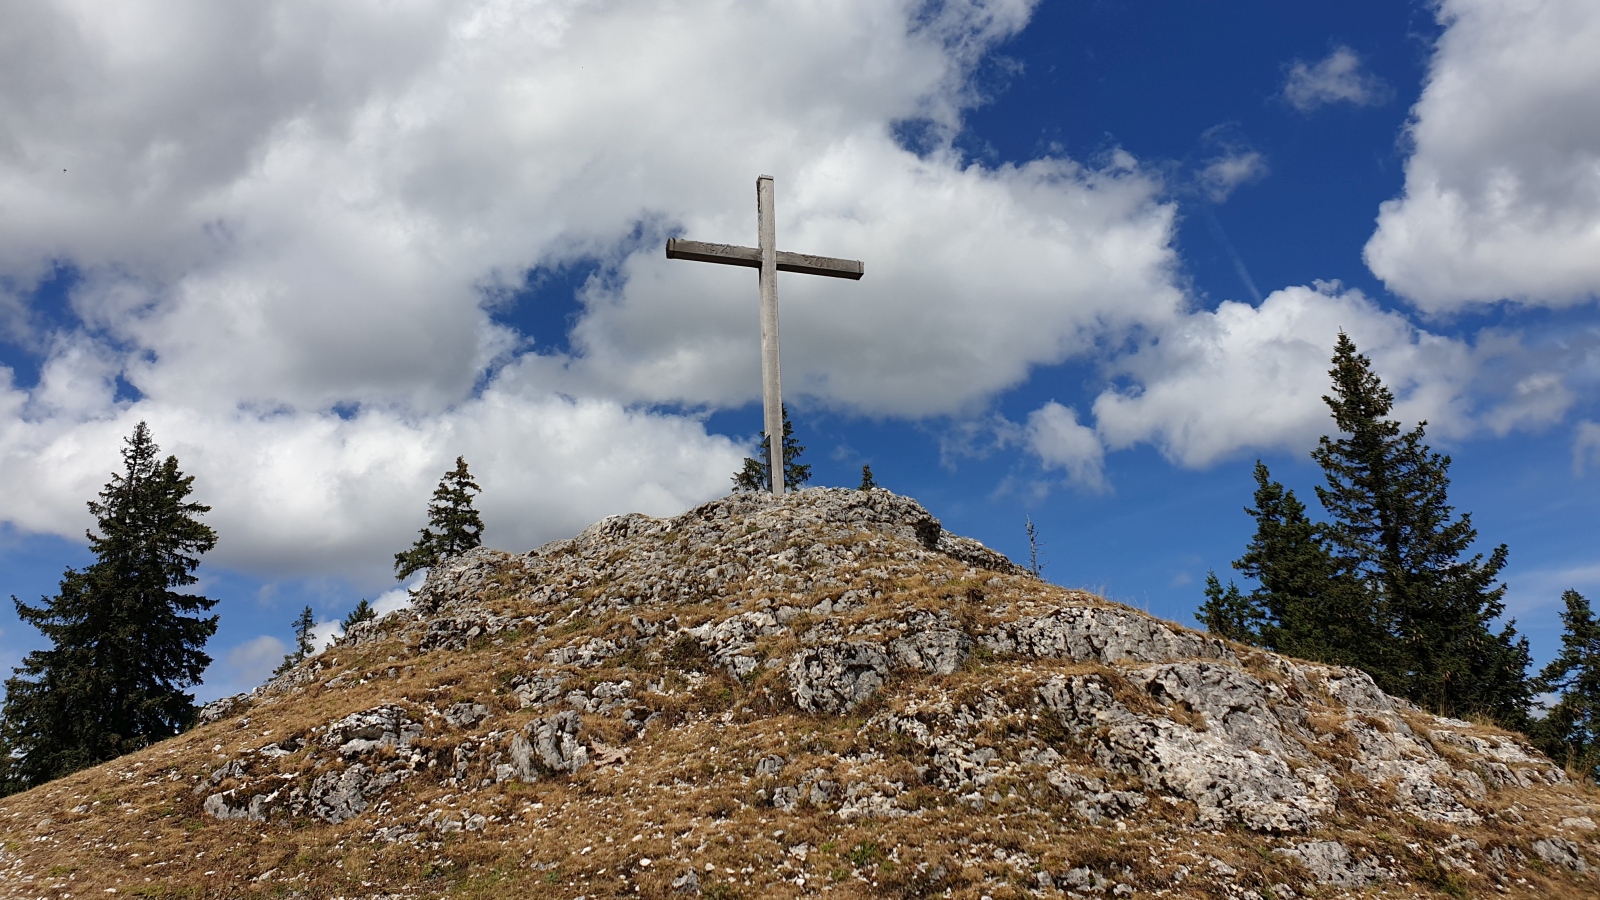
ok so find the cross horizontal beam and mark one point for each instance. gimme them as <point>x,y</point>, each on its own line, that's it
<point>750,257</point>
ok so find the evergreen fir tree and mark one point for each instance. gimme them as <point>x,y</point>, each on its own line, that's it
<point>1570,730</point>
<point>1305,606</point>
<point>305,626</point>
<point>362,613</point>
<point>124,644</point>
<point>1229,613</point>
<point>753,476</point>
<point>1393,530</point>
<point>756,475</point>
<point>453,524</point>
<point>867,481</point>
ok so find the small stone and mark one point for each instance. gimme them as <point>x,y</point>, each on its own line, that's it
<point>689,881</point>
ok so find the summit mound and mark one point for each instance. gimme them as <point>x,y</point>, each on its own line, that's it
<point>818,695</point>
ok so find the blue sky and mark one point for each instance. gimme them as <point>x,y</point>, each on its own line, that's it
<point>325,248</point>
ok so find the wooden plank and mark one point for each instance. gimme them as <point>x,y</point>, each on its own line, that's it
<point>806,264</point>
<point>771,387</point>
<point>700,251</point>
<point>750,257</point>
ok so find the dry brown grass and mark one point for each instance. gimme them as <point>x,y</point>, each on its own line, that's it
<point>688,795</point>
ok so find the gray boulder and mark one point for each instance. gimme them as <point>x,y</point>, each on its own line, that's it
<point>837,678</point>
<point>1101,634</point>
<point>363,732</point>
<point>340,795</point>
<point>1330,862</point>
<point>549,745</point>
<point>1561,852</point>
<point>937,651</point>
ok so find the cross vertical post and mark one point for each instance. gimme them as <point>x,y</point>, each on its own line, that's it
<point>770,261</point>
<point>771,385</point>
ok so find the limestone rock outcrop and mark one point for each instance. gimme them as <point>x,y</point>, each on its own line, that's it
<point>773,697</point>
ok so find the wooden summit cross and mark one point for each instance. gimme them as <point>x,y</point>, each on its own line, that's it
<point>770,260</point>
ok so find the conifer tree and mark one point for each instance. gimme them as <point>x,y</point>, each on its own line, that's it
<point>305,626</point>
<point>1305,605</point>
<point>124,643</point>
<point>362,613</point>
<point>867,481</point>
<point>453,524</point>
<point>1229,613</point>
<point>1392,529</point>
<point>1570,730</point>
<point>756,475</point>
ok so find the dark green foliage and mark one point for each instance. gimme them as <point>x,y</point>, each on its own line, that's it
<point>1392,528</point>
<point>453,525</point>
<point>1228,613</point>
<point>1386,583</point>
<point>124,644</point>
<point>304,641</point>
<point>753,476</point>
<point>756,475</point>
<point>1570,730</point>
<point>1305,605</point>
<point>362,613</point>
<point>867,481</point>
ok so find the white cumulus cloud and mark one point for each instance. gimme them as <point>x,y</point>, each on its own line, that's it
<point>311,493</point>
<point>247,665</point>
<point>1222,174</point>
<point>1056,437</point>
<point>1336,78</point>
<point>1502,189</point>
<point>398,598</point>
<point>1252,377</point>
<point>292,228</point>
<point>1585,446</point>
<point>1235,163</point>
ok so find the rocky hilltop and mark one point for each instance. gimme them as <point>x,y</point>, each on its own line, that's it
<point>819,695</point>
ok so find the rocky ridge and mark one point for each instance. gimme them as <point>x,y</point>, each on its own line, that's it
<point>821,694</point>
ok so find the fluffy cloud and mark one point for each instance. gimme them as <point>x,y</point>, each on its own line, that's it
<point>291,223</point>
<point>312,493</point>
<point>397,598</point>
<point>1055,436</point>
<point>246,665</point>
<point>1222,174</point>
<point>1585,446</point>
<point>1235,163</point>
<point>1502,190</point>
<point>973,277</point>
<point>1248,377</point>
<point>1336,78</point>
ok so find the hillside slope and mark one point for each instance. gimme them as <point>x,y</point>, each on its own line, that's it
<point>820,695</point>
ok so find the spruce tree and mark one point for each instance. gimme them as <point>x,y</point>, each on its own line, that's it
<point>1570,730</point>
<point>1305,605</point>
<point>867,481</point>
<point>756,474</point>
<point>1228,613</point>
<point>453,524</point>
<point>305,626</point>
<point>1392,529</point>
<point>124,643</point>
<point>362,613</point>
